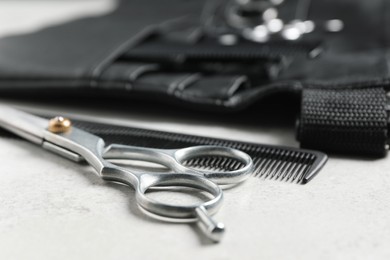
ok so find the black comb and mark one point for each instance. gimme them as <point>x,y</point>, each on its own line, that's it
<point>271,162</point>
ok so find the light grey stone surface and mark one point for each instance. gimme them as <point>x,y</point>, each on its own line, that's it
<point>24,16</point>
<point>51,208</point>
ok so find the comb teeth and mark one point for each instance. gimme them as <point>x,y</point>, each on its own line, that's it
<point>214,163</point>
<point>283,164</point>
<point>271,162</point>
<point>280,164</point>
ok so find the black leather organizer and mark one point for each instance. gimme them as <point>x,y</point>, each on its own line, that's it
<point>174,52</point>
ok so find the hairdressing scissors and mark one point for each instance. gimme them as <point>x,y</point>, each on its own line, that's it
<point>59,136</point>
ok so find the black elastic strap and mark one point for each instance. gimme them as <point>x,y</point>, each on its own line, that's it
<point>346,121</point>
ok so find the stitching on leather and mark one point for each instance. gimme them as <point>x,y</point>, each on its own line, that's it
<point>115,52</point>
<point>138,72</point>
<point>174,85</point>
<point>142,69</point>
<point>237,83</point>
<point>186,82</point>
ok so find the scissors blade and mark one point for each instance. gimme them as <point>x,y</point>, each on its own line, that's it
<point>23,124</point>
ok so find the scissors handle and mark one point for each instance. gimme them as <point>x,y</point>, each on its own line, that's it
<point>175,159</point>
<point>200,213</point>
<point>92,149</point>
<point>207,181</point>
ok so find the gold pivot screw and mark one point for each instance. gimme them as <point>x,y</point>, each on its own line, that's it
<point>59,124</point>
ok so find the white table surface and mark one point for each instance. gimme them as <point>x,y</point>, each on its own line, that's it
<point>51,208</point>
